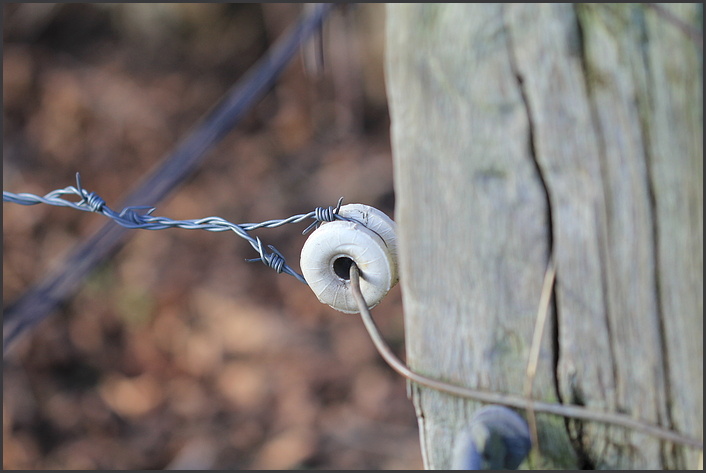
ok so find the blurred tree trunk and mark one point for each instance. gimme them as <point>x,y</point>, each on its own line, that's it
<point>518,130</point>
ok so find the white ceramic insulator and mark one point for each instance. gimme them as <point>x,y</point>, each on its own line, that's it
<point>370,241</point>
<point>380,224</point>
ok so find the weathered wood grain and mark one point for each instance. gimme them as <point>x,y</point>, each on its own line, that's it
<point>672,110</point>
<point>517,129</point>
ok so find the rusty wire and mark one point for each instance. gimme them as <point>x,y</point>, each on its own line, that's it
<point>510,400</point>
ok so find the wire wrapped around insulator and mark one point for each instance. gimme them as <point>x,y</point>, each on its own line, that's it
<point>366,238</point>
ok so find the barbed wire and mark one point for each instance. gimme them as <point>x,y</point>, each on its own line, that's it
<point>57,286</point>
<point>130,218</point>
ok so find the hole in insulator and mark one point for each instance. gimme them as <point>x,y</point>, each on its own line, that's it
<point>342,267</point>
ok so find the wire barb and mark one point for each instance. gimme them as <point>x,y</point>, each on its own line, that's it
<point>322,215</point>
<point>91,199</point>
<point>130,218</point>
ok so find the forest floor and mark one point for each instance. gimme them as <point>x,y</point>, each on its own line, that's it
<point>176,353</point>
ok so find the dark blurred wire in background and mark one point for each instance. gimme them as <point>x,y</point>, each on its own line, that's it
<point>177,353</point>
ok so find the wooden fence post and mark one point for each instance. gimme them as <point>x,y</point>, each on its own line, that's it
<point>524,129</point>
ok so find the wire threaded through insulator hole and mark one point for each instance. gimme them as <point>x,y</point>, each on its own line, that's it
<point>342,267</point>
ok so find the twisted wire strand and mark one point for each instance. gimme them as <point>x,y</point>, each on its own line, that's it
<point>130,218</point>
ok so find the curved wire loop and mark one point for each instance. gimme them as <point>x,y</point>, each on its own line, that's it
<point>510,400</point>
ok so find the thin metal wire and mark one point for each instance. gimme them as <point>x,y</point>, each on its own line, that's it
<point>510,400</point>
<point>130,218</point>
<point>692,32</point>
<point>56,287</point>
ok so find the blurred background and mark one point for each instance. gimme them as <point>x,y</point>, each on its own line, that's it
<point>176,353</point>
